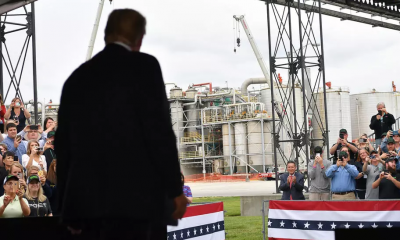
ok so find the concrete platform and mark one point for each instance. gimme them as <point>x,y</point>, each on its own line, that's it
<point>232,189</point>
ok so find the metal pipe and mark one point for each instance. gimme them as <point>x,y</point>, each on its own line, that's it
<point>251,81</point>
<point>94,32</point>
<point>202,84</point>
<point>230,148</point>
<point>322,67</point>
<point>262,142</point>
<point>35,96</point>
<point>197,95</point>
<point>267,3</point>
<point>202,143</point>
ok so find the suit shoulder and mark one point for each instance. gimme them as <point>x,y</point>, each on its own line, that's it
<point>145,57</point>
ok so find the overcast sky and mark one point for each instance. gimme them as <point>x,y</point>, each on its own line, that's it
<point>193,40</point>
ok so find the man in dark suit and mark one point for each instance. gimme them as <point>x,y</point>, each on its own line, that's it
<point>116,182</point>
<point>292,183</point>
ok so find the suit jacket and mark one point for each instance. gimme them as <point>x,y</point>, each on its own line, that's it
<point>296,190</point>
<point>116,150</point>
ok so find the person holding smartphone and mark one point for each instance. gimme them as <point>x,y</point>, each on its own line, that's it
<point>363,142</point>
<point>342,142</point>
<point>343,184</point>
<point>13,140</point>
<point>320,183</point>
<point>381,122</point>
<point>8,160</point>
<point>396,137</point>
<point>34,157</point>
<point>388,181</point>
<point>17,170</point>
<point>12,203</point>
<point>18,113</point>
<point>372,167</point>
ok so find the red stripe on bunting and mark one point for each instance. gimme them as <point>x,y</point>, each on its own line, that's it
<point>335,205</point>
<point>204,209</point>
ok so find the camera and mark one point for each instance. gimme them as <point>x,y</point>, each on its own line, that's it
<point>39,149</point>
<point>34,127</point>
<point>341,136</point>
<point>372,157</point>
<point>343,155</point>
<point>362,140</point>
<point>380,112</point>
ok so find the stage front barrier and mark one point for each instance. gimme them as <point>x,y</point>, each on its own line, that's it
<point>320,219</point>
<point>201,222</point>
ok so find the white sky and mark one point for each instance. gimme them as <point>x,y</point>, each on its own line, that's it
<point>193,40</point>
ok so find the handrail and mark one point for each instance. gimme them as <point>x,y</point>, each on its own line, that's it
<point>396,127</point>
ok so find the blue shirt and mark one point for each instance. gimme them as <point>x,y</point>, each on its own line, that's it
<point>10,146</point>
<point>342,178</point>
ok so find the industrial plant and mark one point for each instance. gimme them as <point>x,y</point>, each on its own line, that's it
<point>229,131</point>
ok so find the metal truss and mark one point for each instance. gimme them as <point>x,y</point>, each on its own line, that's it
<point>297,48</point>
<point>12,22</point>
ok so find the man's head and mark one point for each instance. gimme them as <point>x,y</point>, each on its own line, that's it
<point>32,135</point>
<point>374,157</point>
<point>343,134</point>
<point>318,149</point>
<point>390,144</point>
<point>396,136</point>
<point>11,130</point>
<point>391,164</point>
<point>344,149</point>
<point>379,106</point>
<point>127,26</point>
<point>291,167</point>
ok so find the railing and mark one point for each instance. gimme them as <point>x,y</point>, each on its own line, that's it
<point>396,127</point>
<point>237,116</point>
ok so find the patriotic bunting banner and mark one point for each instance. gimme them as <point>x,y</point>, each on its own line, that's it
<point>202,222</point>
<point>319,219</point>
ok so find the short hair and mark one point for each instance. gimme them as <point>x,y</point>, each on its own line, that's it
<point>28,173</point>
<point>17,165</point>
<point>10,125</point>
<point>318,149</point>
<point>8,154</point>
<point>380,103</point>
<point>126,23</point>
<point>291,162</point>
<point>344,147</point>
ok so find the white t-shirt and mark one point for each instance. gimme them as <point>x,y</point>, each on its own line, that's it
<point>25,160</point>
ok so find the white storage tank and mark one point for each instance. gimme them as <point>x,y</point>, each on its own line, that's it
<point>241,146</point>
<point>281,93</point>
<point>191,92</point>
<point>177,118</point>
<point>225,146</point>
<point>193,117</point>
<point>338,108</point>
<point>175,92</point>
<point>255,144</point>
<point>363,107</point>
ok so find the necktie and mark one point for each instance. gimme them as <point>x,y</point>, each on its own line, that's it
<point>291,180</point>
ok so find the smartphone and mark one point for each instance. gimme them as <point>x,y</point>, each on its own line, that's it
<point>318,155</point>
<point>362,140</point>
<point>18,137</point>
<point>39,149</point>
<point>15,158</point>
<point>15,186</point>
<point>385,172</point>
<point>372,157</point>
<point>34,127</point>
<point>380,112</point>
<point>19,175</point>
<point>40,173</point>
<point>341,136</point>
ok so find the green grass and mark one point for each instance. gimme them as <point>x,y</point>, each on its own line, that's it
<point>237,227</point>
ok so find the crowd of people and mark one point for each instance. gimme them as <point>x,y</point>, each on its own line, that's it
<point>27,165</point>
<point>358,169</point>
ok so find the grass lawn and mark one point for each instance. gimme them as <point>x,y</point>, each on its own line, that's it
<point>237,227</point>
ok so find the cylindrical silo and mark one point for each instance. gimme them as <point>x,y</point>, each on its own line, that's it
<point>225,146</point>
<point>283,97</point>
<point>363,107</point>
<point>175,92</point>
<point>177,118</point>
<point>338,109</point>
<point>193,117</point>
<point>241,147</point>
<point>255,144</point>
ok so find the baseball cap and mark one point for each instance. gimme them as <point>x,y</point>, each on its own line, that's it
<point>343,155</point>
<point>318,149</point>
<point>374,152</point>
<point>396,132</point>
<point>391,140</point>
<point>33,178</point>
<point>10,177</point>
<point>343,131</point>
<point>384,134</point>
<point>51,134</point>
